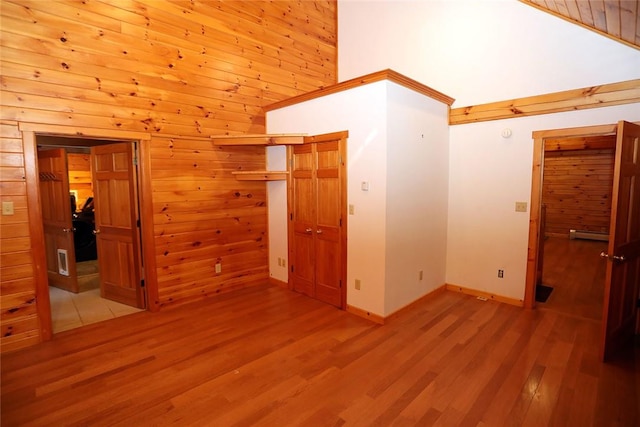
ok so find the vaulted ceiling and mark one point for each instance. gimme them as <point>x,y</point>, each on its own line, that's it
<point>617,19</point>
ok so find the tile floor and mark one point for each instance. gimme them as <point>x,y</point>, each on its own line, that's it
<point>69,310</point>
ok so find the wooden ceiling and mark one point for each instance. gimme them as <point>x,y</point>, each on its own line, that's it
<point>617,19</point>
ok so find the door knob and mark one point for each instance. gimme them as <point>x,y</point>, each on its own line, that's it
<point>319,231</point>
<point>618,258</point>
<point>68,230</point>
<point>96,231</point>
<point>308,230</point>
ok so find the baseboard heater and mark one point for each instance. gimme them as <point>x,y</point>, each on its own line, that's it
<point>588,235</point>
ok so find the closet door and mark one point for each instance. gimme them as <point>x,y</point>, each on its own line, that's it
<point>302,220</point>
<point>327,226</point>
<point>317,232</point>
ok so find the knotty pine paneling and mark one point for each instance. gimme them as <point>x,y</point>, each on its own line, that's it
<point>577,188</point>
<point>79,165</point>
<point>17,284</point>
<point>184,68</point>
<point>204,216</point>
<point>174,69</point>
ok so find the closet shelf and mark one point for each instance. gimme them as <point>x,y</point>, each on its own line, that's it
<point>261,175</point>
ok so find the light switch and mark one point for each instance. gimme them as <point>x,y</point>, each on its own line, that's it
<point>365,186</point>
<point>7,208</point>
<point>521,206</point>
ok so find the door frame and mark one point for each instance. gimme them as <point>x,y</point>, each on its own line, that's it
<point>343,136</point>
<point>539,138</point>
<point>148,271</point>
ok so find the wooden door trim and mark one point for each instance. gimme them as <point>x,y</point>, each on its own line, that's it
<point>36,232</point>
<point>79,132</point>
<point>149,266</point>
<point>29,132</point>
<point>539,138</point>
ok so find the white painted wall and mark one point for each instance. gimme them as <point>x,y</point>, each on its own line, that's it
<point>489,174</point>
<point>480,51</point>
<point>477,51</point>
<point>417,183</point>
<point>361,111</point>
<point>398,145</point>
<point>277,198</point>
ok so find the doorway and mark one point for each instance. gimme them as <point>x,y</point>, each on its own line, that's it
<point>577,184</point>
<point>75,200</point>
<point>622,283</point>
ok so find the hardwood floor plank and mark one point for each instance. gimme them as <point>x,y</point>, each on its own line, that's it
<point>575,271</point>
<point>514,396</point>
<point>266,356</point>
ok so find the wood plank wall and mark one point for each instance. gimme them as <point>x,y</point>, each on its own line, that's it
<point>79,165</point>
<point>181,71</point>
<point>577,186</point>
<point>204,216</point>
<point>18,318</point>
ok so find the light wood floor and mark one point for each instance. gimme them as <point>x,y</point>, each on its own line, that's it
<point>266,356</point>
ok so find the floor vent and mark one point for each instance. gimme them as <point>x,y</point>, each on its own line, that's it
<point>588,235</point>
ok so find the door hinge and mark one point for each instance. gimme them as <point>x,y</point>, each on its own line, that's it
<point>291,217</point>
<point>340,222</point>
<point>138,222</point>
<point>340,281</point>
<point>638,303</point>
<point>142,283</point>
<point>292,268</point>
<point>135,160</point>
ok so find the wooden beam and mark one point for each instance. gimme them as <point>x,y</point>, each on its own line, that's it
<point>260,139</point>
<point>607,95</point>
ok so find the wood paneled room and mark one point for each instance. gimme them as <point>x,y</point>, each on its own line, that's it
<point>332,212</point>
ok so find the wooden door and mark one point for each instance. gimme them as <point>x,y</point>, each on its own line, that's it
<point>303,218</point>
<point>57,219</point>
<point>317,242</point>
<point>623,268</point>
<point>117,237</point>
<point>328,226</point>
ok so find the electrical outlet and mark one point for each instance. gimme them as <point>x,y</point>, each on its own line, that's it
<point>352,210</point>
<point>284,262</point>
<point>357,284</point>
<point>501,274</point>
<point>521,206</point>
<point>218,267</point>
